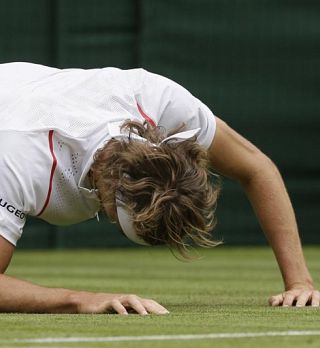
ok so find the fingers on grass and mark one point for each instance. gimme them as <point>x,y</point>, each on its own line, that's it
<point>276,300</point>
<point>118,307</point>
<point>304,298</point>
<point>154,307</point>
<point>300,299</point>
<point>288,299</point>
<point>135,303</point>
<point>132,303</point>
<point>315,300</point>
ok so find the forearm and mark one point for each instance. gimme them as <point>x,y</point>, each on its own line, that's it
<point>273,207</point>
<point>20,296</point>
<point>23,297</point>
<point>235,157</point>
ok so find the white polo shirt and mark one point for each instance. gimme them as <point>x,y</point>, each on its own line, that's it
<point>52,122</point>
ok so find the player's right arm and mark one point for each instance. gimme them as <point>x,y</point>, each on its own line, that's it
<point>21,296</point>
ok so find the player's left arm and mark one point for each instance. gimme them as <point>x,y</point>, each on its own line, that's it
<point>235,157</point>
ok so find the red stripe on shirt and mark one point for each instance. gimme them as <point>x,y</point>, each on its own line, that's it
<point>146,117</point>
<point>53,168</point>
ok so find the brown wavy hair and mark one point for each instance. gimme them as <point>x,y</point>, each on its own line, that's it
<point>166,188</point>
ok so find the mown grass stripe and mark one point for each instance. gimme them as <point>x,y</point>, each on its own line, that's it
<point>165,337</point>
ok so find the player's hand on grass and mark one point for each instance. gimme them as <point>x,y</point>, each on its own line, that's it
<point>116,303</point>
<point>299,296</point>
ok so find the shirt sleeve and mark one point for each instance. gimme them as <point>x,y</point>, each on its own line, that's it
<point>170,105</point>
<point>12,216</point>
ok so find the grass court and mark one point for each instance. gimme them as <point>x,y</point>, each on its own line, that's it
<point>224,294</point>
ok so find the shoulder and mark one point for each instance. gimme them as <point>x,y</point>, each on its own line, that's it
<point>22,71</point>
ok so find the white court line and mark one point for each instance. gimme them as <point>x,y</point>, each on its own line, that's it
<point>164,337</point>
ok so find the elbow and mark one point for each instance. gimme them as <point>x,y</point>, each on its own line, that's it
<point>262,169</point>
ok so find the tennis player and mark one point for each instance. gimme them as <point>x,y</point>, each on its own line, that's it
<point>136,146</point>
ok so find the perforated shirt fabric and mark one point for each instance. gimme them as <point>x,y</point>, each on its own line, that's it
<point>52,121</point>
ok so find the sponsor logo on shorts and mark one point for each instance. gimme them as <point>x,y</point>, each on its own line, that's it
<point>11,209</point>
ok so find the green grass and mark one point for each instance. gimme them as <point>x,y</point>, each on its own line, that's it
<point>225,291</point>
